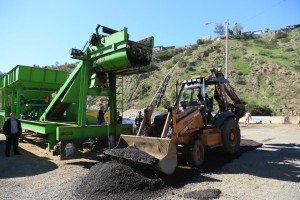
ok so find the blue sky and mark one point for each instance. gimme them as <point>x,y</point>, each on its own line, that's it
<point>42,32</point>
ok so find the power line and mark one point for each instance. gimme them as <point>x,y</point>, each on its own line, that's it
<point>264,11</point>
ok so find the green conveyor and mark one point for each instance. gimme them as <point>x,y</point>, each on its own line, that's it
<point>56,105</point>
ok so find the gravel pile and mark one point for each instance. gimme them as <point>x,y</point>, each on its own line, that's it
<point>113,180</point>
<point>132,155</point>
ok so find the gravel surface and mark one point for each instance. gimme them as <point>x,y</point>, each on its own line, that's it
<point>271,171</point>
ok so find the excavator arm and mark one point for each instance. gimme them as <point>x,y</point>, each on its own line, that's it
<point>238,106</point>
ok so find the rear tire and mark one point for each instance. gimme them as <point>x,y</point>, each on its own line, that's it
<point>195,153</point>
<point>231,136</point>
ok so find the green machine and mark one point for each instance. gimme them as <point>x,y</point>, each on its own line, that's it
<point>26,91</point>
<point>107,54</point>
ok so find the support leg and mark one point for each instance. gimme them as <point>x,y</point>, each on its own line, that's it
<point>51,140</point>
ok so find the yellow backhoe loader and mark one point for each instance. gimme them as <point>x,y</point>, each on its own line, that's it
<point>189,124</point>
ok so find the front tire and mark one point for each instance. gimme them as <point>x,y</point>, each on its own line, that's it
<point>195,153</point>
<point>231,136</point>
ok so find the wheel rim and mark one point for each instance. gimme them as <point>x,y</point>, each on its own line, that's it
<point>233,136</point>
<point>198,152</point>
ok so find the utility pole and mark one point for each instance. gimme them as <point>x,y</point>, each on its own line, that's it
<point>226,72</point>
<point>226,46</point>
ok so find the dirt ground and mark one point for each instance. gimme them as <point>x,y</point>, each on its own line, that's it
<point>271,171</point>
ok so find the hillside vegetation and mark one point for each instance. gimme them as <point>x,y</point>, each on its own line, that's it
<point>265,72</point>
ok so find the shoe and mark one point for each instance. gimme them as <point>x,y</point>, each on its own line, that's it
<point>17,153</point>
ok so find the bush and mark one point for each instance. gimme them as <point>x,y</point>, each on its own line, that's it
<point>235,56</point>
<point>285,40</point>
<point>248,58</point>
<point>199,41</point>
<point>165,103</point>
<point>243,36</point>
<point>272,44</point>
<point>175,60</point>
<point>207,42</point>
<point>188,52</point>
<point>279,57</point>
<point>190,68</point>
<point>263,52</point>
<point>261,110</point>
<point>181,63</point>
<point>161,56</point>
<point>166,54</point>
<point>297,67</point>
<point>289,49</point>
<point>261,62</point>
<point>259,42</point>
<point>194,47</point>
<point>280,35</point>
<point>168,65</point>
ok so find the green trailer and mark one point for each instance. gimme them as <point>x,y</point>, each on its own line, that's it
<point>48,102</point>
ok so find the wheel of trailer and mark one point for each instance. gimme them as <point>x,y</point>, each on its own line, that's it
<point>231,136</point>
<point>195,153</point>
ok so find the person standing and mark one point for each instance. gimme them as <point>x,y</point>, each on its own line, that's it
<point>100,116</point>
<point>138,120</point>
<point>12,130</point>
<point>119,118</point>
<point>247,118</point>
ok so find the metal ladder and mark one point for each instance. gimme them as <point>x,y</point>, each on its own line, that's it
<point>144,127</point>
<point>120,94</point>
<point>161,90</point>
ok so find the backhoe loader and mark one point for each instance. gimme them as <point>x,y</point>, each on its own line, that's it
<point>189,124</point>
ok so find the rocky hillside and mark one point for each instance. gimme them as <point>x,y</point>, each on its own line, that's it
<point>265,72</point>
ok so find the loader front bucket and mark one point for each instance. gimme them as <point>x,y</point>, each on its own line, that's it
<point>145,152</point>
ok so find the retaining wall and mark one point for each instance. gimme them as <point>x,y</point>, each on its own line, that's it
<point>273,120</point>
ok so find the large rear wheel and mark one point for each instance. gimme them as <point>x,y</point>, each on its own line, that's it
<point>195,153</point>
<point>231,136</point>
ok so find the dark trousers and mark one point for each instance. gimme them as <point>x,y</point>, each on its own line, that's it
<point>12,139</point>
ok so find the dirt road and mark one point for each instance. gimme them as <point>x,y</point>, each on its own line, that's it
<point>269,172</point>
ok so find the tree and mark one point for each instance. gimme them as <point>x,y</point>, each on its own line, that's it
<point>219,29</point>
<point>200,41</point>
<point>237,29</point>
